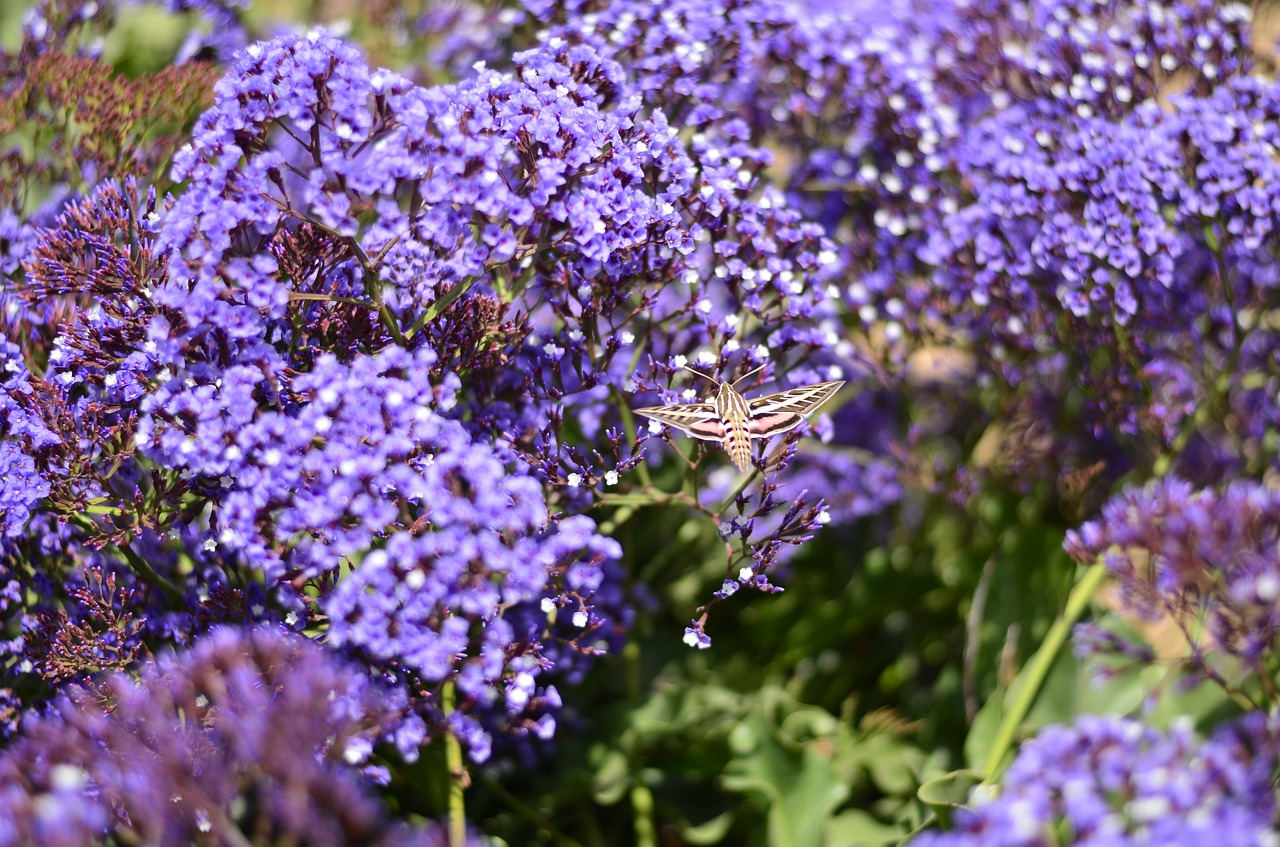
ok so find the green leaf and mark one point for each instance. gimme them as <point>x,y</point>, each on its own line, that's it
<point>856,828</point>
<point>708,832</point>
<point>950,791</point>
<point>611,777</point>
<point>797,781</point>
<point>983,731</point>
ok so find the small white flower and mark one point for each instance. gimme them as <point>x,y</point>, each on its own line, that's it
<point>610,477</point>
<point>356,750</point>
<point>574,480</point>
<point>745,574</point>
<point>67,777</point>
<point>415,579</point>
<point>655,428</point>
<point>210,544</point>
<point>580,619</point>
<point>548,605</point>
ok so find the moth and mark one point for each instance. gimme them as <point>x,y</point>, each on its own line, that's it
<point>735,421</point>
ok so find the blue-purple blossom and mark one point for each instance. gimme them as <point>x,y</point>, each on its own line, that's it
<point>245,735</point>
<point>1210,555</point>
<point>507,165</point>
<point>1116,781</point>
<point>21,488</point>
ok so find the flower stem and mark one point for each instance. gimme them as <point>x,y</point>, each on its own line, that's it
<point>453,761</point>
<point>1029,682</point>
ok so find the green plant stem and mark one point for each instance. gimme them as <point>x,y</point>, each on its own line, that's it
<point>1033,675</point>
<point>742,486</point>
<point>642,807</point>
<point>453,761</point>
<point>148,573</point>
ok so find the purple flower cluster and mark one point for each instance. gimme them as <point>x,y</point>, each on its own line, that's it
<point>562,197</point>
<point>1145,228</point>
<point>1115,781</point>
<point>245,734</point>
<point>1199,556</point>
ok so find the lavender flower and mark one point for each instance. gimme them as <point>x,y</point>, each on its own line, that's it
<point>519,161</point>
<point>250,738</point>
<point>1116,781</point>
<point>1195,554</point>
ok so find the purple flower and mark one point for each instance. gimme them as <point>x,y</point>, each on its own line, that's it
<point>1116,781</point>
<point>1192,554</point>
<point>245,730</point>
<point>21,487</point>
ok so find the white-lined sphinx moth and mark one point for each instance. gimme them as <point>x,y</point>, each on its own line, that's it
<point>735,421</point>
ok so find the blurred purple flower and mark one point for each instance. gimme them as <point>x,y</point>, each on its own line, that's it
<point>1193,554</point>
<point>248,737</point>
<point>1115,781</point>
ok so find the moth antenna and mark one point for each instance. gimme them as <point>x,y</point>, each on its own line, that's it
<point>701,374</point>
<point>748,373</point>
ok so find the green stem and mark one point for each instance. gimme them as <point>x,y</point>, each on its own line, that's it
<point>1031,679</point>
<point>453,761</point>
<point>148,573</point>
<point>642,805</point>
<point>441,303</point>
<point>742,486</point>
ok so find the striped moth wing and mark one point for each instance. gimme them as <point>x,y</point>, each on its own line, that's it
<point>699,420</point>
<point>773,414</point>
